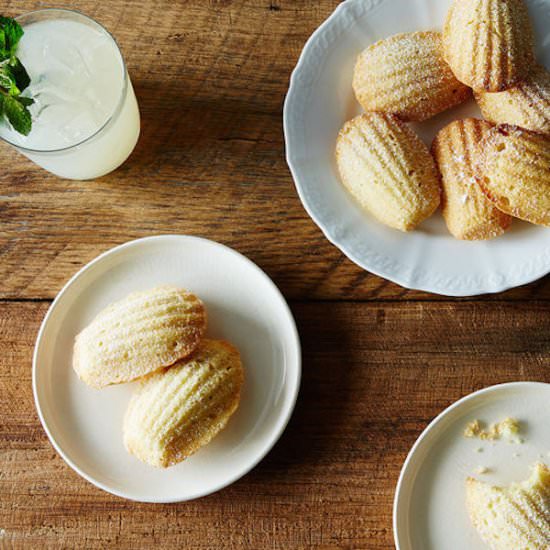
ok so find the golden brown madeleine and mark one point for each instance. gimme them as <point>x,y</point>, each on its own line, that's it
<point>527,104</point>
<point>489,43</point>
<point>467,211</point>
<point>177,410</point>
<point>138,335</point>
<point>514,172</point>
<point>513,517</point>
<point>388,169</point>
<point>406,75</point>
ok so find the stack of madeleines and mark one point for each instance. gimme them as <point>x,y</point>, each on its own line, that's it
<point>188,386</point>
<point>483,172</point>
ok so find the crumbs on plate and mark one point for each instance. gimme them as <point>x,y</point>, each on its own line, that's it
<point>508,429</point>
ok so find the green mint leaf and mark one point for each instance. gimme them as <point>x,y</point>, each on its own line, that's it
<point>19,73</point>
<point>17,113</point>
<point>4,52</point>
<point>7,81</point>
<point>12,32</point>
<point>26,101</point>
<point>13,78</point>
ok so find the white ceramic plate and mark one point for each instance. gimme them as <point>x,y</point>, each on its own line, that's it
<point>320,100</point>
<point>244,307</point>
<point>429,508</point>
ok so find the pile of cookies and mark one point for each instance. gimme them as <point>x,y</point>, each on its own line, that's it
<point>188,386</point>
<point>483,172</point>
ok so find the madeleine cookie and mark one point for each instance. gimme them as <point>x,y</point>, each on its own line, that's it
<point>514,172</point>
<point>467,211</point>
<point>139,334</point>
<point>406,75</point>
<point>512,517</point>
<point>488,43</point>
<point>388,170</point>
<point>177,410</point>
<point>527,104</point>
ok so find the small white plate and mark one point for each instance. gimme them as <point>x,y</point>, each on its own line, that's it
<point>429,508</point>
<point>244,307</point>
<point>320,99</point>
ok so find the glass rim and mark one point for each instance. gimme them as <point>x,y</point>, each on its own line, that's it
<point>116,110</point>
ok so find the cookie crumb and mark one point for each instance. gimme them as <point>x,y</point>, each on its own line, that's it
<point>508,429</point>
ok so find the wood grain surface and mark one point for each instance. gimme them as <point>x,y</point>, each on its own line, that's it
<point>379,361</point>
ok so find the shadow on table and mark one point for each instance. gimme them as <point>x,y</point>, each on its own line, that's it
<point>319,430</point>
<point>193,131</point>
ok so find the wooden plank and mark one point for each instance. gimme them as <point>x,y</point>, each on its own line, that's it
<point>210,80</point>
<point>374,375</point>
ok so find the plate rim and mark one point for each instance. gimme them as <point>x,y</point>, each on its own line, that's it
<point>397,507</point>
<point>283,418</point>
<point>331,235</point>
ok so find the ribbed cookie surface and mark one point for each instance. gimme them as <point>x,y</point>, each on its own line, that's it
<point>176,411</point>
<point>514,172</point>
<point>138,335</point>
<point>526,104</point>
<point>406,75</point>
<point>514,517</point>
<point>388,169</point>
<point>467,211</point>
<point>488,43</point>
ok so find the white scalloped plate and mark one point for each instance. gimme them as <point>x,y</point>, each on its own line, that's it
<point>320,99</point>
<point>244,307</point>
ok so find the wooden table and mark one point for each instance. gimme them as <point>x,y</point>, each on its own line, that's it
<point>379,361</point>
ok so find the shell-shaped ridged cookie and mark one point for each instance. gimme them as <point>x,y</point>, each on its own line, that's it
<point>488,43</point>
<point>467,211</point>
<point>138,335</point>
<point>406,75</point>
<point>514,517</point>
<point>526,104</point>
<point>177,410</point>
<point>388,170</point>
<point>514,172</point>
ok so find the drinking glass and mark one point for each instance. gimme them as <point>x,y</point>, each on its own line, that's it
<point>96,151</point>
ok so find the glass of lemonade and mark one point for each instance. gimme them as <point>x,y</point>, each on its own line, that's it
<point>85,117</point>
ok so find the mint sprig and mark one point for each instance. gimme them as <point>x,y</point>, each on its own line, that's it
<point>16,111</point>
<point>13,78</point>
<point>10,34</point>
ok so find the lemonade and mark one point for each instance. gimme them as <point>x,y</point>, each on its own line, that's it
<point>85,118</point>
